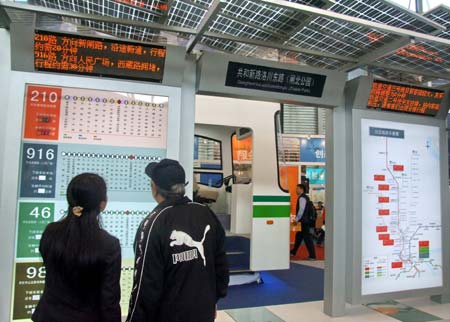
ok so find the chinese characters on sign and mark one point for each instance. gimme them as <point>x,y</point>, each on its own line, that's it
<point>389,133</point>
<point>420,52</point>
<point>29,287</point>
<point>145,5</point>
<point>33,218</point>
<point>274,80</point>
<point>405,98</point>
<point>98,57</point>
<point>312,150</point>
<point>68,131</point>
<point>38,177</point>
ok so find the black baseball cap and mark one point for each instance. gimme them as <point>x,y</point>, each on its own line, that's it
<point>166,173</point>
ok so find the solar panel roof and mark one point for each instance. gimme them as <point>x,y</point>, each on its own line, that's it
<point>257,28</point>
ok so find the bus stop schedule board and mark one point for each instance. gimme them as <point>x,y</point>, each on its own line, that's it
<point>98,57</point>
<point>68,131</point>
<point>401,207</point>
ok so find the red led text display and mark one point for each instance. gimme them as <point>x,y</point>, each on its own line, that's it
<point>405,98</point>
<point>98,57</point>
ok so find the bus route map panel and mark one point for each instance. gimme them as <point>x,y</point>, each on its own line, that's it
<point>401,207</point>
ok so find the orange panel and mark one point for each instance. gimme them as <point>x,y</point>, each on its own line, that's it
<point>289,181</point>
<point>242,149</point>
<point>42,108</point>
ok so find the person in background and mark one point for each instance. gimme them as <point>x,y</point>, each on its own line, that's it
<point>305,234</point>
<point>320,231</point>
<point>181,268</point>
<point>82,260</point>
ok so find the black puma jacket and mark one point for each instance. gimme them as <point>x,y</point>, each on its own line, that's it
<point>181,270</point>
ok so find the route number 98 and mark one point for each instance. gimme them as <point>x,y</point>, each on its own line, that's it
<point>33,272</point>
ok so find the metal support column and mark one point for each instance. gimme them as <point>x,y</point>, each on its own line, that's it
<point>419,6</point>
<point>338,146</point>
<point>187,120</point>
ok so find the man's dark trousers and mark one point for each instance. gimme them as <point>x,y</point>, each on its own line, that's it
<point>305,235</point>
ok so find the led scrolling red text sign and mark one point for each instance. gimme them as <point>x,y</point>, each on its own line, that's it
<point>98,57</point>
<point>405,98</point>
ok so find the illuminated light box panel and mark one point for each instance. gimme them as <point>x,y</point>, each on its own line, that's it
<point>395,97</point>
<point>64,53</point>
<point>67,131</point>
<point>401,207</point>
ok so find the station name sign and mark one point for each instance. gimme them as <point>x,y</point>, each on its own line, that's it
<point>72,54</point>
<point>405,98</point>
<point>274,79</point>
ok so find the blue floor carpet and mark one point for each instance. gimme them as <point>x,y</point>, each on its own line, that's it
<point>300,283</point>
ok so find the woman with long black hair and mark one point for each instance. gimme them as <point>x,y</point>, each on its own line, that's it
<point>82,260</point>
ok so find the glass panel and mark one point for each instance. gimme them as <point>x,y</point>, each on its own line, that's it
<point>253,314</point>
<point>242,158</point>
<point>209,179</point>
<point>207,153</point>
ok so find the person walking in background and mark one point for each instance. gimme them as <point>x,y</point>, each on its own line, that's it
<point>303,216</point>
<point>181,269</point>
<point>82,261</point>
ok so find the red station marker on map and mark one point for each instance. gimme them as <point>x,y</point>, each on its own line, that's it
<point>388,242</point>
<point>382,229</point>
<point>397,265</point>
<point>383,199</point>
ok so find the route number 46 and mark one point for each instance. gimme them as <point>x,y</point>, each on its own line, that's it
<point>44,212</point>
<point>33,272</point>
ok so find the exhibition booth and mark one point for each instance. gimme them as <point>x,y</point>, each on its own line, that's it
<point>77,103</point>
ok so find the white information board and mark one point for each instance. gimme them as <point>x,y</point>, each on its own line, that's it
<point>401,207</point>
<point>68,131</point>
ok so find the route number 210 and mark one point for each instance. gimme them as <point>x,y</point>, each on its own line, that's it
<point>44,97</point>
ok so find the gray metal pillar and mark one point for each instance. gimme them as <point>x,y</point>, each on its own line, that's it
<point>445,297</point>
<point>187,120</point>
<point>338,149</point>
<point>9,136</point>
<point>419,6</point>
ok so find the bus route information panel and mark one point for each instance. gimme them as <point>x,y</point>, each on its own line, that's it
<point>394,97</point>
<point>68,131</point>
<point>401,207</point>
<point>64,53</point>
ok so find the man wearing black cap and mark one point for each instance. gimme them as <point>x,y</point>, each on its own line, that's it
<point>181,270</point>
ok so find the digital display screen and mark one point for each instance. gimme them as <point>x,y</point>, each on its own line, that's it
<point>401,207</point>
<point>405,98</point>
<point>68,131</point>
<point>65,53</point>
